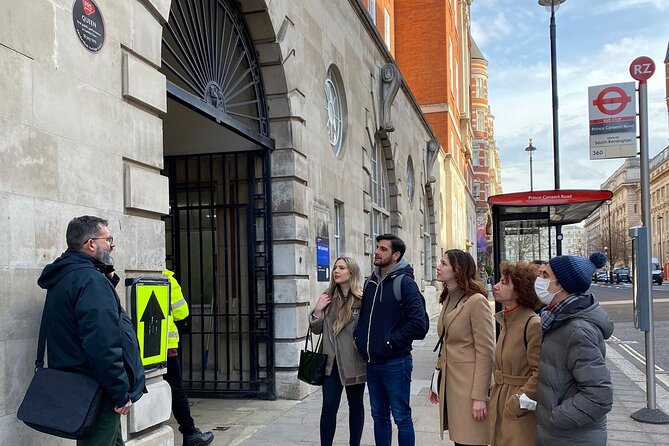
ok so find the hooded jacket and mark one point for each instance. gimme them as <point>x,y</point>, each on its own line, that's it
<point>387,326</point>
<point>87,330</point>
<point>574,391</point>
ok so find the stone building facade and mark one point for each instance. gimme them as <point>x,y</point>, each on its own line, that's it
<point>246,151</point>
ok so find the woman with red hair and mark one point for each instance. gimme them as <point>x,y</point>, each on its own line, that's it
<point>516,357</point>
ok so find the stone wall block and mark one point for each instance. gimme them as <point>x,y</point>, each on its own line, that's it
<point>274,80</point>
<point>26,300</point>
<point>23,30</point>
<point>269,53</point>
<point>28,163</point>
<point>290,163</point>
<point>14,432</point>
<point>149,245</point>
<point>76,185</point>
<point>117,15</point>
<point>290,260</point>
<point>162,436</point>
<point>18,371</point>
<point>291,388</point>
<point>147,145</point>
<point>15,86</point>
<point>144,84</point>
<point>290,290</point>
<point>97,119</point>
<point>101,70</point>
<point>147,33</point>
<point>289,196</point>
<point>152,408</point>
<point>161,8</point>
<point>146,190</point>
<point>288,353</point>
<point>3,404</point>
<point>290,322</point>
<point>290,227</point>
<point>21,229</point>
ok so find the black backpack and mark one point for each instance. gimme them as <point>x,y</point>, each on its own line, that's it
<point>397,292</point>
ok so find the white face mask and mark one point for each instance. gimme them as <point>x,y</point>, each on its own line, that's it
<point>541,288</point>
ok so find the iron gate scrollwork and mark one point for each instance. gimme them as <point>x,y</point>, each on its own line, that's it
<point>219,245</point>
<point>211,65</point>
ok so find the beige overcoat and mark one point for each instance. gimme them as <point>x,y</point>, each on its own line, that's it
<point>516,372</point>
<point>466,363</point>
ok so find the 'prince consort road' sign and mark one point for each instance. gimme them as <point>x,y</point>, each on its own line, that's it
<point>88,24</point>
<point>612,121</point>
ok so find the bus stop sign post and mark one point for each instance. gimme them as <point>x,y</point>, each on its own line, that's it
<point>641,69</point>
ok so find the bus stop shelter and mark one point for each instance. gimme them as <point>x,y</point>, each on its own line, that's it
<point>526,225</point>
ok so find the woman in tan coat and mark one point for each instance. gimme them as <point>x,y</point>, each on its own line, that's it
<point>466,345</point>
<point>516,357</point>
<point>336,316</point>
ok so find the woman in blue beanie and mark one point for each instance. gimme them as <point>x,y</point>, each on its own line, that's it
<point>574,392</point>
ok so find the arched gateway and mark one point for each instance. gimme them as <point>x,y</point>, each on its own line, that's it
<point>218,233</point>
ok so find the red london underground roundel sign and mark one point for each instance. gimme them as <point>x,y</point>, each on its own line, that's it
<point>642,68</point>
<point>88,24</point>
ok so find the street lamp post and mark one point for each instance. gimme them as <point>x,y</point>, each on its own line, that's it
<point>531,149</point>
<point>552,6</point>
<point>608,204</point>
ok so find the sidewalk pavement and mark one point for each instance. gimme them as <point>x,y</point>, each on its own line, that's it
<point>292,423</point>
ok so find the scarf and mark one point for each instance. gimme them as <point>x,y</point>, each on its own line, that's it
<point>550,314</point>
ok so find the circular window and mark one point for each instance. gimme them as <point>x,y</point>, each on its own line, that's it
<point>411,181</point>
<point>334,108</point>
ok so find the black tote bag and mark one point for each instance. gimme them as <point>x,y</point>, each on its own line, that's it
<point>312,362</point>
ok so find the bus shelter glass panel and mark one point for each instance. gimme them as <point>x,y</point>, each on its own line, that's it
<point>524,240</point>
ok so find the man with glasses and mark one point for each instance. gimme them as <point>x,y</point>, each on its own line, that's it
<point>87,330</point>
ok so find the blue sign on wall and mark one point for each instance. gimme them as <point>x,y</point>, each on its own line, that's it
<point>323,258</point>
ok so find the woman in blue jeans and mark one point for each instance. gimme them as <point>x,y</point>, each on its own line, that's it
<point>336,316</point>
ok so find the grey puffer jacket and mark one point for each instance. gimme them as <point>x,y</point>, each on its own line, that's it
<point>575,393</point>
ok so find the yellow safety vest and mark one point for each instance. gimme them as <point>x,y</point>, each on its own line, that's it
<point>179,310</point>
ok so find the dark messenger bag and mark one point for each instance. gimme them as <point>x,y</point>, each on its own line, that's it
<point>60,403</point>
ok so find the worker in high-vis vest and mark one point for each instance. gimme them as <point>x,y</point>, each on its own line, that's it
<point>180,407</point>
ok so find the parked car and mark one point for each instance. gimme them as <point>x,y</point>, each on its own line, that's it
<point>622,274</point>
<point>602,276</point>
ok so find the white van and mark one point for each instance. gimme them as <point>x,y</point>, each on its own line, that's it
<point>656,271</point>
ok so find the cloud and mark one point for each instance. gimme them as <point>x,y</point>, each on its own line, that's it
<point>619,5</point>
<point>494,28</point>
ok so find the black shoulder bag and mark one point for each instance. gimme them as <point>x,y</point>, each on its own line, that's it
<point>312,362</point>
<point>60,403</point>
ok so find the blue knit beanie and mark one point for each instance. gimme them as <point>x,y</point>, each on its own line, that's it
<point>575,273</point>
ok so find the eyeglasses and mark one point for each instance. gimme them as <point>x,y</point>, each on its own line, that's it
<point>109,239</point>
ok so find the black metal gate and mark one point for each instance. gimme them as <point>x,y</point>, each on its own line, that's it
<point>218,238</point>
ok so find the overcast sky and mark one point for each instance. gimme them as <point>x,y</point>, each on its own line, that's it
<point>596,42</point>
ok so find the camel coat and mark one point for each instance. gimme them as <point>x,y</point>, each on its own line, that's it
<point>516,372</point>
<point>466,362</point>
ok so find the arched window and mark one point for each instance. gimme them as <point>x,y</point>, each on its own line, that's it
<point>335,110</point>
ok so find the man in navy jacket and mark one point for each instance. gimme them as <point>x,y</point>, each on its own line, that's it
<point>87,330</point>
<point>387,326</point>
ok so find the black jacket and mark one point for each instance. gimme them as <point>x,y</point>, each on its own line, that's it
<point>387,326</point>
<point>87,330</point>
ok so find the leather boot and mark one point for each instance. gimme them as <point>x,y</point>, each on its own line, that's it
<point>198,438</point>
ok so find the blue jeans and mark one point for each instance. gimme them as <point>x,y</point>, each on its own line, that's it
<point>332,390</point>
<point>389,385</point>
